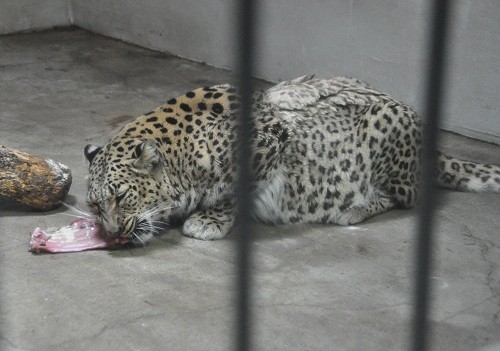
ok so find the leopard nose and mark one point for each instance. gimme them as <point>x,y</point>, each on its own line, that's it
<point>112,234</point>
<point>112,230</point>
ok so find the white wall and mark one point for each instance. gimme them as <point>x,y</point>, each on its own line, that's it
<point>21,15</point>
<point>380,41</point>
<point>474,103</point>
<point>195,29</point>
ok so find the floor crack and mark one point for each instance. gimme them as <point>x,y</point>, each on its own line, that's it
<point>15,347</point>
<point>109,326</point>
<point>471,307</point>
<point>485,246</point>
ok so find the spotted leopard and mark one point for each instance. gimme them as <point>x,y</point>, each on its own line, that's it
<point>324,150</point>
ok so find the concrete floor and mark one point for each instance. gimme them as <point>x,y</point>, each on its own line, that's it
<point>315,287</point>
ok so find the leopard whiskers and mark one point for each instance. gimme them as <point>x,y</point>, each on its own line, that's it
<point>145,229</point>
<point>161,224</point>
<point>146,226</point>
<point>79,211</point>
<point>147,215</point>
<point>138,237</point>
<point>73,215</point>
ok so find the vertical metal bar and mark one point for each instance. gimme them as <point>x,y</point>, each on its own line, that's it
<point>243,225</point>
<point>432,114</point>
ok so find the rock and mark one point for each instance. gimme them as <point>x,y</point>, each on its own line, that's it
<point>32,180</point>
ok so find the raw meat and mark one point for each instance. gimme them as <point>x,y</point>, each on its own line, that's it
<point>81,234</point>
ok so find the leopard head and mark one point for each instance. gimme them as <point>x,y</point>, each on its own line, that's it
<point>128,190</point>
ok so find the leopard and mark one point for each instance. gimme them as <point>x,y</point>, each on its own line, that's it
<point>333,151</point>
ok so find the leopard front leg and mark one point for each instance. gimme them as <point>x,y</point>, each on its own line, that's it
<point>212,223</point>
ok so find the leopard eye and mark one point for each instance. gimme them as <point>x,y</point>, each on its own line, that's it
<point>120,196</point>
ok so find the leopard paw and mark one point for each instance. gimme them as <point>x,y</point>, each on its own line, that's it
<point>350,217</point>
<point>205,227</point>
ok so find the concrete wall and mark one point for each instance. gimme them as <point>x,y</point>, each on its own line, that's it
<point>474,103</point>
<point>194,29</point>
<point>380,41</point>
<point>21,15</point>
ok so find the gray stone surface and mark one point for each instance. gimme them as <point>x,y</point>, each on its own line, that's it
<point>22,15</point>
<point>316,287</point>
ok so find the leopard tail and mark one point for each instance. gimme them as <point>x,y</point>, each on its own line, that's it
<point>467,176</point>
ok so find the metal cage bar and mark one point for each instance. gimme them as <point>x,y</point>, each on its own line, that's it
<point>243,223</point>
<point>432,114</point>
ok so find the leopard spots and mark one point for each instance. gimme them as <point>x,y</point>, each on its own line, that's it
<point>325,151</point>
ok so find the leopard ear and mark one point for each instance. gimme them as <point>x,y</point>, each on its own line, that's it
<point>147,156</point>
<point>90,151</point>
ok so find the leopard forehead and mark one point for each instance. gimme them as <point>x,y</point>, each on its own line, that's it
<point>107,174</point>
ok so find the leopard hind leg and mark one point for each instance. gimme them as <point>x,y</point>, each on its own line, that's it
<point>377,203</point>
